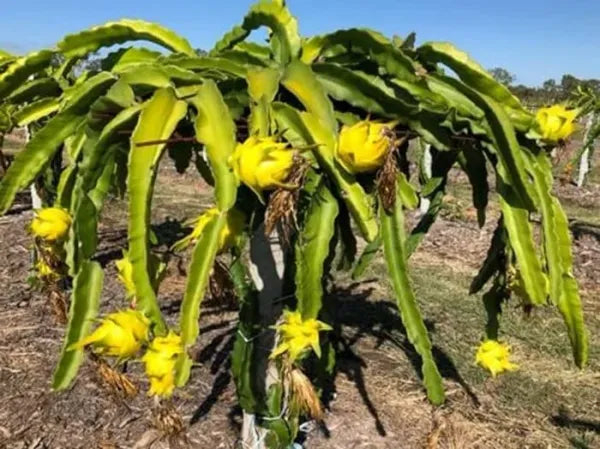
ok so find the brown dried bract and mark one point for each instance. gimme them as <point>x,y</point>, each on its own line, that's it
<point>47,254</point>
<point>220,285</point>
<point>566,175</point>
<point>386,180</point>
<point>119,384</point>
<point>58,302</point>
<point>105,444</point>
<point>282,207</point>
<point>53,284</point>
<point>303,394</point>
<point>168,420</point>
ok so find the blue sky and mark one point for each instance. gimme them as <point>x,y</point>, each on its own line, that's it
<point>534,39</point>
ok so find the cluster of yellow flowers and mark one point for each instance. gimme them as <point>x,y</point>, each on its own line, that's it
<point>263,163</point>
<point>297,336</point>
<point>493,356</point>
<point>125,275</point>
<point>556,122</point>
<point>122,334</point>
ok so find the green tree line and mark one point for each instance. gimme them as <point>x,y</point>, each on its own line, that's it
<point>551,90</point>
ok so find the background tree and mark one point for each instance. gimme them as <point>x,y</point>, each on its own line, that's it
<point>503,76</point>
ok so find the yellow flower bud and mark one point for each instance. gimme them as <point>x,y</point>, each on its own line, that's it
<point>364,146</point>
<point>159,361</point>
<point>51,223</point>
<point>229,235</point>
<point>125,275</point>
<point>120,334</point>
<point>262,163</point>
<point>556,122</point>
<point>493,356</point>
<point>296,336</point>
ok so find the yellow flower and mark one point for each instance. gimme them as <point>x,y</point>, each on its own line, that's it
<point>493,356</point>
<point>159,360</point>
<point>296,336</point>
<point>262,163</point>
<point>125,275</point>
<point>556,122</point>
<point>363,146</point>
<point>229,235</point>
<point>120,334</point>
<point>51,223</point>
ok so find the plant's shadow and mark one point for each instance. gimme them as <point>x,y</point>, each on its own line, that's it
<point>114,241</point>
<point>217,354</point>
<point>354,318</point>
<point>21,204</point>
<point>169,231</point>
<point>563,419</point>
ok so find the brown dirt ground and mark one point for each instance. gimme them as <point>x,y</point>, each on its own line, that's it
<point>378,404</point>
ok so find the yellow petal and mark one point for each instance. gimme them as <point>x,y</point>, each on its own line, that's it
<point>158,364</point>
<point>125,275</point>
<point>46,271</point>
<point>163,385</point>
<point>314,343</point>
<point>280,349</point>
<point>297,346</point>
<point>116,341</point>
<point>94,337</point>
<point>168,345</point>
<point>133,321</point>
